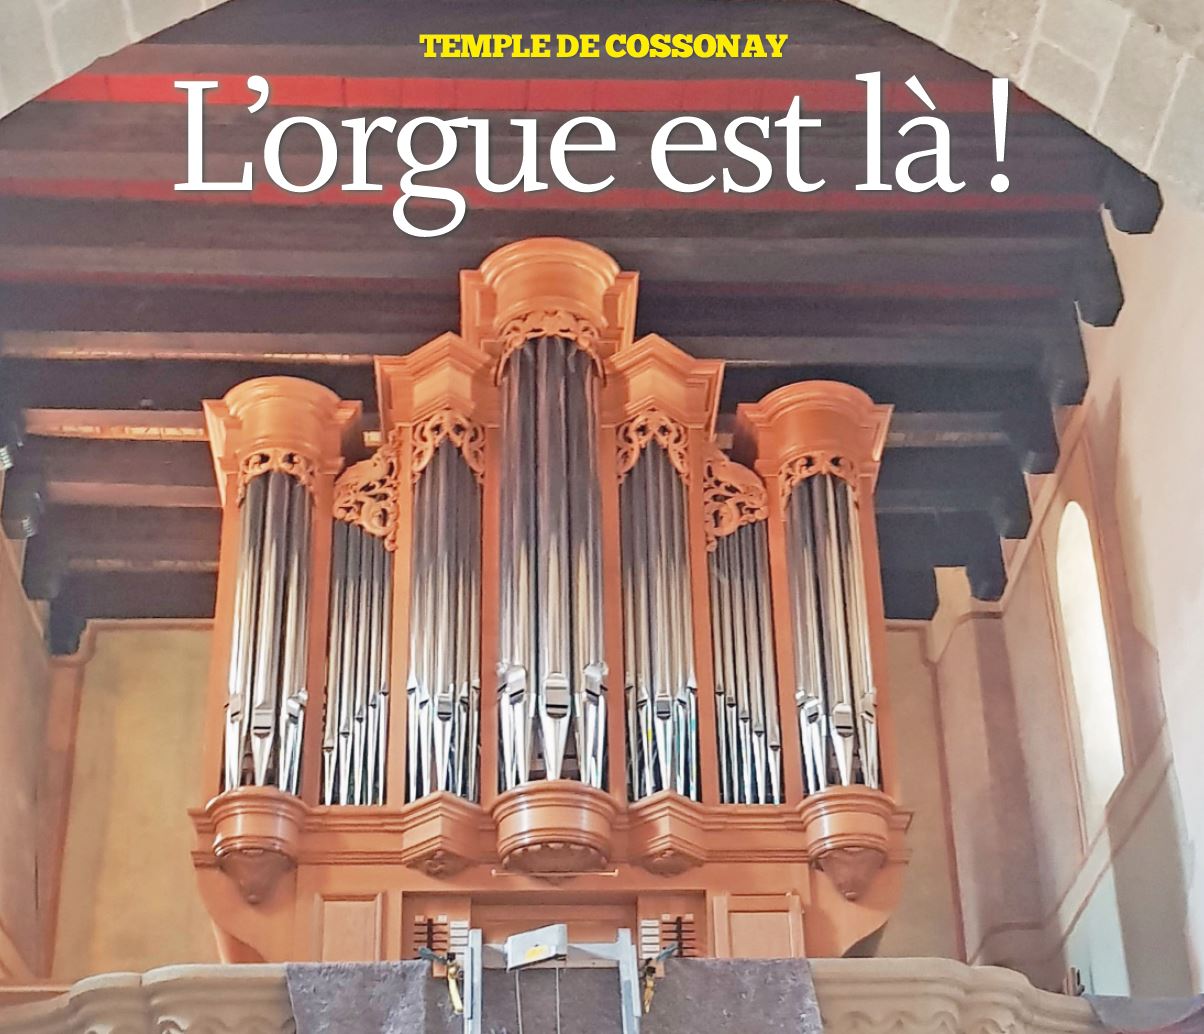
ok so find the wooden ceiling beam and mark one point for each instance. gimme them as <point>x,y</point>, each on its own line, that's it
<point>909,594</point>
<point>117,425</point>
<point>733,309</point>
<point>1132,198</point>
<point>124,494</point>
<point>137,594</point>
<point>908,388</point>
<point>952,480</point>
<point>339,227</point>
<point>138,386</point>
<point>907,430</point>
<point>967,348</point>
<point>922,541</point>
<point>100,538</point>
<point>148,462</point>
<point>330,349</point>
<point>942,267</point>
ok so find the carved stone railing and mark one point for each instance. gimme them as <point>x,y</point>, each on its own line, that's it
<point>856,996</point>
<point>172,1000</point>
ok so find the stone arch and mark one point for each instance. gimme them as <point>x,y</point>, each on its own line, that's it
<point>1129,72</point>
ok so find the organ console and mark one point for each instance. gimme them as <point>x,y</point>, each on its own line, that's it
<point>554,651</point>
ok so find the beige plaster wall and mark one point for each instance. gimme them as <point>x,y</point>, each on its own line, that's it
<point>24,694</point>
<point>997,869</point>
<point>1044,885</point>
<point>1146,426</point>
<point>927,921</point>
<point>129,898</point>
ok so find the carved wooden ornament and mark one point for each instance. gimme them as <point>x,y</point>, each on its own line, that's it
<point>448,425</point>
<point>732,496</point>
<point>799,468</point>
<point>852,869</point>
<point>653,425</point>
<point>285,461</point>
<point>366,493</point>
<point>549,323</point>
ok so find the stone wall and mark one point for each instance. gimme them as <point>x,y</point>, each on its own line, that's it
<point>1130,72</point>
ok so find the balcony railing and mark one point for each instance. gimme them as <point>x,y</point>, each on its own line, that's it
<point>856,996</point>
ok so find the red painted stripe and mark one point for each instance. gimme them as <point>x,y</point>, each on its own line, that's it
<point>419,93</point>
<point>565,200</point>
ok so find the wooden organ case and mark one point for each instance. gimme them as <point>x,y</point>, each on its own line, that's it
<point>549,653</point>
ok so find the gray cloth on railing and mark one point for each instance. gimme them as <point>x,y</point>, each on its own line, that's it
<point>369,998</point>
<point>719,996</point>
<point>735,996</point>
<point>1147,1015</point>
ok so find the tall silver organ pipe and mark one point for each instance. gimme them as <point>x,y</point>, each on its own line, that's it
<point>551,667</point>
<point>443,688</point>
<point>834,691</point>
<point>658,630</point>
<point>265,711</point>
<point>355,732</point>
<point>747,722</point>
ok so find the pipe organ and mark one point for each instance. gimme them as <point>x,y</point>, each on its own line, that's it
<point>567,652</point>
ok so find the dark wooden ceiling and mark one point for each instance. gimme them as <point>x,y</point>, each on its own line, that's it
<point>123,304</point>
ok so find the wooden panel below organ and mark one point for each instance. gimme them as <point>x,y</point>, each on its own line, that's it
<point>351,928</point>
<point>759,926</point>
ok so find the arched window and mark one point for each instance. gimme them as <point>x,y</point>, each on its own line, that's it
<point>1090,660</point>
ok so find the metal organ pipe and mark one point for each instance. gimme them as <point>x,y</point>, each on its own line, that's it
<point>769,675</point>
<point>809,696</point>
<point>356,723</point>
<point>294,694</point>
<point>443,689</point>
<point>834,694</point>
<point>266,670</point>
<point>552,481</point>
<point>853,570</point>
<point>551,669</point>
<point>662,707</point>
<point>267,691</point>
<point>748,728</point>
<point>242,652</point>
<point>334,658</point>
